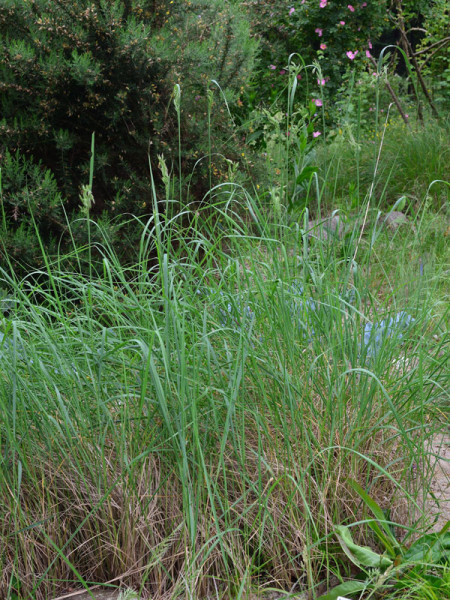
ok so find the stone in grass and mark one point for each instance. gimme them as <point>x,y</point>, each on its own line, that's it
<point>332,226</point>
<point>394,219</point>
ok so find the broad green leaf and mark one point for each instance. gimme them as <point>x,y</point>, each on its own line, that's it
<point>349,587</point>
<point>433,547</point>
<point>306,174</point>
<point>360,555</point>
<point>254,136</point>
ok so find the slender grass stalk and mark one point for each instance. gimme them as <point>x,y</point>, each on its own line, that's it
<point>210,101</point>
<point>177,104</point>
<point>1,202</point>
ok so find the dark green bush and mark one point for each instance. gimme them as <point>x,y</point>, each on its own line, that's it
<point>69,68</point>
<point>27,187</point>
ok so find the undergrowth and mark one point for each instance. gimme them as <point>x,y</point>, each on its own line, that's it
<point>190,425</point>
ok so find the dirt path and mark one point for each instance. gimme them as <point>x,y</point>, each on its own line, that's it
<point>439,498</point>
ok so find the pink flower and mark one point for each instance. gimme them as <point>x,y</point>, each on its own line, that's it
<point>368,53</point>
<point>323,3</point>
<point>272,67</point>
<point>291,10</point>
<point>319,32</point>
<point>341,22</point>
<point>350,8</point>
<point>351,54</point>
<point>282,72</point>
<point>321,82</point>
<point>299,76</point>
<point>363,5</point>
<point>406,115</point>
<point>369,43</point>
<point>316,134</point>
<point>323,46</point>
<point>318,102</point>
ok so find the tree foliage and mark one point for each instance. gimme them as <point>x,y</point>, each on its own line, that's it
<point>71,68</point>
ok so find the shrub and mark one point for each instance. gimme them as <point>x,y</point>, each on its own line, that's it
<point>71,68</point>
<point>335,34</point>
<point>27,186</point>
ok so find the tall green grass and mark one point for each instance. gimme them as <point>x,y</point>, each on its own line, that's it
<point>188,425</point>
<point>411,159</point>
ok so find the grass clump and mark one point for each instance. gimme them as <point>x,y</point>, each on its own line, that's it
<point>411,159</point>
<point>189,426</point>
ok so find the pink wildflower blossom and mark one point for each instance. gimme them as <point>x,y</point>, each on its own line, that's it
<point>368,53</point>
<point>363,5</point>
<point>316,134</point>
<point>323,46</point>
<point>351,54</point>
<point>321,82</point>
<point>282,72</point>
<point>341,22</point>
<point>318,102</point>
<point>369,43</point>
<point>351,8</point>
<point>272,67</point>
<point>323,3</point>
<point>291,10</point>
<point>299,76</point>
<point>319,31</point>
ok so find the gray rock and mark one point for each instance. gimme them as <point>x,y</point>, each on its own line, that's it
<point>332,226</point>
<point>394,219</point>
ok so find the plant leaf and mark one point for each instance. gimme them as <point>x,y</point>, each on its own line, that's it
<point>433,547</point>
<point>349,587</point>
<point>388,540</point>
<point>360,555</point>
<point>306,174</point>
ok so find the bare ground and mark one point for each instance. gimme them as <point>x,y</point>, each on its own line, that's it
<point>439,498</point>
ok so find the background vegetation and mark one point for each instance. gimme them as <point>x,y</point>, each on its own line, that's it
<point>71,69</point>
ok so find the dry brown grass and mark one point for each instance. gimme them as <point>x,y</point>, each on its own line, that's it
<point>130,527</point>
